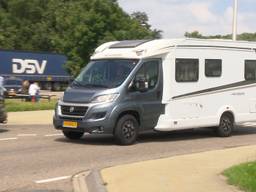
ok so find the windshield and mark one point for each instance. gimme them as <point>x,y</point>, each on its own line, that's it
<point>105,73</point>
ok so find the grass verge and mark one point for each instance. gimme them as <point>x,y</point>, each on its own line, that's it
<point>243,176</point>
<point>15,105</point>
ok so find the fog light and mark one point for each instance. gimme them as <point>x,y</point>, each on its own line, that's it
<point>98,130</point>
<point>99,115</point>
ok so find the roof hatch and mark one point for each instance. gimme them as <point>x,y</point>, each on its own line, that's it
<point>128,44</point>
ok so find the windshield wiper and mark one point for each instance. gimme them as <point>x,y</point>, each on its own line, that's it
<point>95,85</point>
<point>77,83</point>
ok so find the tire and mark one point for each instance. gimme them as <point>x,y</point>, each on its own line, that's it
<point>56,86</point>
<point>126,130</point>
<point>73,135</point>
<point>47,86</point>
<point>226,126</point>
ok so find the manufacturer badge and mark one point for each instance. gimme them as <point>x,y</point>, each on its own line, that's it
<point>71,109</point>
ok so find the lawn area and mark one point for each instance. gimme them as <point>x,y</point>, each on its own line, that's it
<point>243,176</point>
<point>14,105</point>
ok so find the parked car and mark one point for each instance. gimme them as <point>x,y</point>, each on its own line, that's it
<point>3,115</point>
<point>13,86</point>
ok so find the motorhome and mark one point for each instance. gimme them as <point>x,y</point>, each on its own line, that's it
<point>168,84</point>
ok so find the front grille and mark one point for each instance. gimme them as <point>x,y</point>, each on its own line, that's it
<point>73,110</point>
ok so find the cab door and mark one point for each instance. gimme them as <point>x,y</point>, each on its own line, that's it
<point>146,91</point>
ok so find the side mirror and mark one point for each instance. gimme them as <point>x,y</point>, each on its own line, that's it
<point>71,79</point>
<point>141,85</point>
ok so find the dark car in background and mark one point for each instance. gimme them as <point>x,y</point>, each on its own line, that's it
<point>13,86</point>
<point>3,115</point>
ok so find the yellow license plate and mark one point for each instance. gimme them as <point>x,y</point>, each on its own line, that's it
<point>70,124</point>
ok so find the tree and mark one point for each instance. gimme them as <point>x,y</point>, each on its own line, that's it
<point>72,27</point>
<point>194,34</point>
<point>243,36</point>
<point>142,18</point>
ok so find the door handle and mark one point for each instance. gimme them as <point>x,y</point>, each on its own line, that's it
<point>158,94</point>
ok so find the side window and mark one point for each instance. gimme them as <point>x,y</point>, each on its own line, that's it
<point>250,70</point>
<point>187,70</point>
<point>213,67</point>
<point>149,73</point>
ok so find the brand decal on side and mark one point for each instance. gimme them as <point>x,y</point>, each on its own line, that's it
<point>28,66</point>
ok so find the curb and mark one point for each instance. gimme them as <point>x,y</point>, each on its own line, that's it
<point>95,182</point>
<point>88,181</point>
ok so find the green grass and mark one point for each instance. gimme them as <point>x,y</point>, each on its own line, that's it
<point>243,176</point>
<point>14,105</point>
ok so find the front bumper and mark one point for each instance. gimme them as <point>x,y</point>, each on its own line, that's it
<point>88,123</point>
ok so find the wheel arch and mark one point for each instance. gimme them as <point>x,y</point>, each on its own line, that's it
<point>228,111</point>
<point>130,112</point>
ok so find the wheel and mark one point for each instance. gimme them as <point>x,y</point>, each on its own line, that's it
<point>226,126</point>
<point>56,86</point>
<point>73,135</point>
<point>47,86</point>
<point>126,130</point>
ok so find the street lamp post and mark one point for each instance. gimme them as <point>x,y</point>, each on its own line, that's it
<point>235,20</point>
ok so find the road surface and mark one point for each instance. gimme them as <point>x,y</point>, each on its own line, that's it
<point>40,159</point>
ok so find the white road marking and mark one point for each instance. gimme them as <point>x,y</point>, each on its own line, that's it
<point>52,179</point>
<point>249,124</point>
<point>27,135</point>
<point>53,135</point>
<point>7,139</point>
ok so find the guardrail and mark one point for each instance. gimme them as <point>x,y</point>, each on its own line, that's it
<point>27,97</point>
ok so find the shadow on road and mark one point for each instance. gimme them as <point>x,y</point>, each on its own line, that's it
<point>3,130</point>
<point>202,133</point>
<point>244,131</point>
<point>150,137</point>
<point>91,140</point>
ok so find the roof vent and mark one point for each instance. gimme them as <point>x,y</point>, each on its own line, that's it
<point>128,44</point>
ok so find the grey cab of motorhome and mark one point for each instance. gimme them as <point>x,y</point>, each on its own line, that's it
<point>170,84</point>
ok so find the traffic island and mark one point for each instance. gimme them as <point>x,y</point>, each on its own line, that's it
<point>186,173</point>
<point>242,176</point>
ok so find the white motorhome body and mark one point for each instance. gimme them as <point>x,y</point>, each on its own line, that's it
<point>221,79</point>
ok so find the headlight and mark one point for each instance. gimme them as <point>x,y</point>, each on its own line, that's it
<point>61,97</point>
<point>105,98</point>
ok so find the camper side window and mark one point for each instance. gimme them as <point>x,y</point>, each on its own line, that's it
<point>213,67</point>
<point>187,70</point>
<point>250,70</point>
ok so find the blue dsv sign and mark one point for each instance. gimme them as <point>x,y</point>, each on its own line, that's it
<point>28,66</point>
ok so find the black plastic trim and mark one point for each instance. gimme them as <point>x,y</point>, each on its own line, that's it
<point>219,88</point>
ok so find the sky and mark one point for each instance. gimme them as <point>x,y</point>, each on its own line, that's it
<point>209,17</point>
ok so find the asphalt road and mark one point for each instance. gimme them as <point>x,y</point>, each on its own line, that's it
<point>32,157</point>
